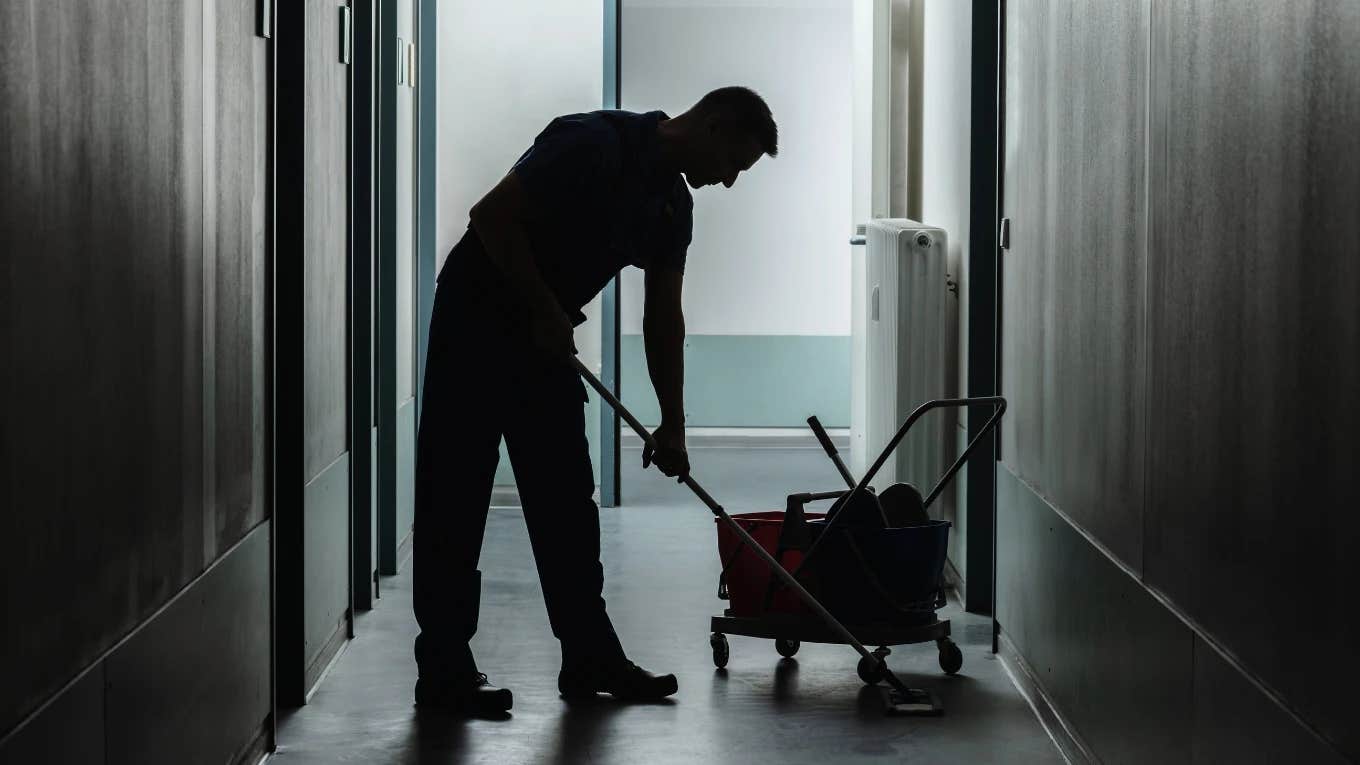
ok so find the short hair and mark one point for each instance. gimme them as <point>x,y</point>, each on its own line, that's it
<point>747,111</point>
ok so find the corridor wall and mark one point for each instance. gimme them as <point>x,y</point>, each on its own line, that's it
<point>133,510</point>
<point>1180,350</point>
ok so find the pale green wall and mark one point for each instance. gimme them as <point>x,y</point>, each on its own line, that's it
<point>749,380</point>
<point>736,381</point>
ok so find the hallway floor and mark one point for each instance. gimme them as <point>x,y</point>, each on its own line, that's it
<point>661,578</point>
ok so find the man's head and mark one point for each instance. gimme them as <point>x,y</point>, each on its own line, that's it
<point>723,135</point>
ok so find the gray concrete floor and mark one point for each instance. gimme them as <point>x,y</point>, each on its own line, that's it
<point>661,569</point>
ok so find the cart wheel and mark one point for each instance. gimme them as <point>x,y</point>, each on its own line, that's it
<point>872,671</point>
<point>951,658</point>
<point>721,653</point>
<point>786,648</point>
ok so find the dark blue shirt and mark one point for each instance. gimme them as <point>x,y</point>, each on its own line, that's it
<point>603,202</point>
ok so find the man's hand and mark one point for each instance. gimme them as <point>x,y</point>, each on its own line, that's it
<point>670,455</point>
<point>552,333</point>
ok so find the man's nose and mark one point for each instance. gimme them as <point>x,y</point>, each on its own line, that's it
<point>729,181</point>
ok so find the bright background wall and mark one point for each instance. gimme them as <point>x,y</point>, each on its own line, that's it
<point>946,131</point>
<point>767,286</point>
<point>505,71</point>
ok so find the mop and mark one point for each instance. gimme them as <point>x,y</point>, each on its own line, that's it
<point>897,697</point>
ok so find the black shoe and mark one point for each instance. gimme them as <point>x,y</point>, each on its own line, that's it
<point>472,697</point>
<point>626,681</point>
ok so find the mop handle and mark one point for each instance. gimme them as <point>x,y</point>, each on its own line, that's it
<point>830,449</point>
<point>745,537</point>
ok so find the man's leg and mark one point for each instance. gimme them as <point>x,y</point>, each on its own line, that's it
<point>457,449</point>
<point>547,444</point>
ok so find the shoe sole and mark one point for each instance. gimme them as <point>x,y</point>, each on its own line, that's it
<point>583,695</point>
<point>489,707</point>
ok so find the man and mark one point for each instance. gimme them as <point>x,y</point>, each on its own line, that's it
<point>595,192</point>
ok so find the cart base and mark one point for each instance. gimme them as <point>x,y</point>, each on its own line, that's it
<point>790,631</point>
<point>809,629</point>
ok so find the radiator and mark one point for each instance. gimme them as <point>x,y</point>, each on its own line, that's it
<point>903,353</point>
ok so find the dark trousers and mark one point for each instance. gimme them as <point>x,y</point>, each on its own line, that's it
<point>482,383</point>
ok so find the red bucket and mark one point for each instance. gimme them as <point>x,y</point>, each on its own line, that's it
<point>747,576</point>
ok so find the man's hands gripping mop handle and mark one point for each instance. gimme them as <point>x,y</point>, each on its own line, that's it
<point>741,533</point>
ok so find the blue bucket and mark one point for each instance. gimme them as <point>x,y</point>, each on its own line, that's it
<point>885,576</point>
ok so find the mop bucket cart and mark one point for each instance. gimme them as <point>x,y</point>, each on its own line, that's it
<point>807,619</point>
<point>883,582</point>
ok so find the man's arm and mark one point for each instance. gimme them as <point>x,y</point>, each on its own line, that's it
<point>499,219</point>
<point>663,333</point>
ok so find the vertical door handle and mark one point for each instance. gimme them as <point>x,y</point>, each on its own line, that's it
<point>264,18</point>
<point>346,35</point>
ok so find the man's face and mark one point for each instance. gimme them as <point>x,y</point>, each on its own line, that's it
<point>724,158</point>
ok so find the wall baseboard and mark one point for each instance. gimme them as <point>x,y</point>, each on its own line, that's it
<point>330,653</point>
<point>257,751</point>
<point>1128,673</point>
<point>404,549</point>
<point>144,699</point>
<point>1071,746</point>
<point>953,582</point>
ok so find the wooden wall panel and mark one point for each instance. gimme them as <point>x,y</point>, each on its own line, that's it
<point>132,366</point>
<point>1255,342</point>
<point>325,231</point>
<point>1118,664</point>
<point>192,686</point>
<point>237,247</point>
<point>1073,278</point>
<point>68,731</point>
<point>101,181</point>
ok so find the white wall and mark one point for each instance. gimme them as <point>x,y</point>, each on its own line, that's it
<point>946,134</point>
<point>506,69</point>
<point>405,230</point>
<point>769,256</point>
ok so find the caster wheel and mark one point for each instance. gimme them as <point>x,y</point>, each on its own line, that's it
<point>786,648</point>
<point>721,653</point>
<point>951,658</point>
<point>872,671</point>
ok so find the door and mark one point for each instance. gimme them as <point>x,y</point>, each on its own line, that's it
<point>397,303</point>
<point>363,281</point>
<point>312,353</point>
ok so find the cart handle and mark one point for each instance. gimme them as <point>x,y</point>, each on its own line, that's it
<point>997,401</point>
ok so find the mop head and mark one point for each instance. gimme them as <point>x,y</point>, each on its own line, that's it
<point>915,702</point>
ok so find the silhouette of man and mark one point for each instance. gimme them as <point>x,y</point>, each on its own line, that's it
<point>595,192</point>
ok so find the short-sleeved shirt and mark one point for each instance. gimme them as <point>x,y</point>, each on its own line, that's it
<point>603,201</point>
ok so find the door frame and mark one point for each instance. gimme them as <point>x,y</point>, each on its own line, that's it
<point>385,324</point>
<point>361,268</point>
<point>287,330</point>
<point>287,366</point>
<point>611,326</point>
<point>987,164</point>
<point>388,218</point>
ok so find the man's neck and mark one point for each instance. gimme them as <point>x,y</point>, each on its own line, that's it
<point>671,143</point>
